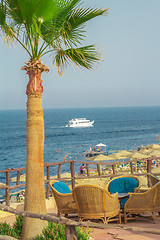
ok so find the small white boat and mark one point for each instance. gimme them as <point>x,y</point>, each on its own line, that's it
<point>80,122</point>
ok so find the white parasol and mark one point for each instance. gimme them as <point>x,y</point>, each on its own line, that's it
<point>101,145</point>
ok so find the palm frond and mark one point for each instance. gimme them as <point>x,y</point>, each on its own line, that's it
<point>43,26</point>
<point>69,24</point>
<point>5,33</point>
<point>2,13</point>
<point>84,56</point>
<point>73,28</point>
<point>51,30</point>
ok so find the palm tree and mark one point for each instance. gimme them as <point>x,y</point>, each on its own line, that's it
<point>41,27</point>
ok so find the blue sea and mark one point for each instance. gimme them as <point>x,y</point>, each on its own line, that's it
<point>118,128</point>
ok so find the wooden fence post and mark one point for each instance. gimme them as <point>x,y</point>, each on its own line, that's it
<point>70,232</point>
<point>98,169</point>
<point>113,168</point>
<point>87,167</point>
<point>48,179</point>
<point>131,165</point>
<point>59,171</point>
<point>8,183</point>
<point>18,177</point>
<point>72,174</point>
<point>149,166</point>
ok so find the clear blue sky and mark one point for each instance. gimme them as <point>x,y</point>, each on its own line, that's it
<point>129,38</point>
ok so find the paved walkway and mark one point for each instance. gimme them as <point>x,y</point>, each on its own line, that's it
<point>109,234</point>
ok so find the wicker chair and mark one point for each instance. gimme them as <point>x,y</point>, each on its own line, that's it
<point>143,203</point>
<point>64,201</point>
<point>153,179</point>
<point>94,202</point>
<point>123,184</point>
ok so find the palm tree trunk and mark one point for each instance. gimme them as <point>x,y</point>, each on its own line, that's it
<point>34,189</point>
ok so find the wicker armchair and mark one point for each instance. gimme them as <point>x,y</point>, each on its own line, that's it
<point>94,202</point>
<point>123,184</point>
<point>153,179</point>
<point>64,201</point>
<point>126,177</point>
<point>143,203</point>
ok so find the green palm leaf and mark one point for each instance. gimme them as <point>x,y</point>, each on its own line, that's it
<point>52,30</point>
<point>84,56</point>
<point>69,24</point>
<point>73,29</point>
<point>56,26</point>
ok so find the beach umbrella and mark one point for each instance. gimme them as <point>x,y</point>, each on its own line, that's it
<point>138,155</point>
<point>124,152</point>
<point>91,158</point>
<point>153,146</point>
<point>121,154</point>
<point>22,178</point>
<point>150,152</point>
<point>2,184</point>
<point>100,157</point>
<point>145,151</point>
<point>154,153</point>
<point>101,145</point>
<point>63,175</point>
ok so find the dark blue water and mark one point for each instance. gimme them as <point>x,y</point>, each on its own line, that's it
<point>118,128</point>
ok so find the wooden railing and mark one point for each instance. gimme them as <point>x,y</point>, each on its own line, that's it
<point>8,188</point>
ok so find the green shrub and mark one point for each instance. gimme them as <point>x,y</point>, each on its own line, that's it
<point>6,229</point>
<point>52,232</point>
<point>83,233</point>
<point>17,226</point>
<point>57,232</point>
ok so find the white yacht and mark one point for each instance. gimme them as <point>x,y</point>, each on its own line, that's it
<point>80,122</point>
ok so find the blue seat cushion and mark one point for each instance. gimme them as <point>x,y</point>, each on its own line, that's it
<point>123,201</point>
<point>61,187</point>
<point>156,176</point>
<point>123,185</point>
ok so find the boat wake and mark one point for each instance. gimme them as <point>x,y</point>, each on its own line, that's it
<point>58,127</point>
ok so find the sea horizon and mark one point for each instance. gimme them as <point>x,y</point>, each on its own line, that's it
<point>62,108</point>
